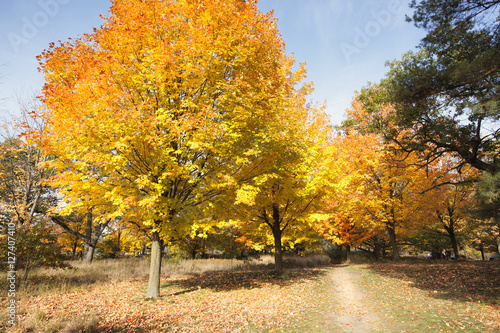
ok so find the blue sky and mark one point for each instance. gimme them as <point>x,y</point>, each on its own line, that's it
<point>345,43</point>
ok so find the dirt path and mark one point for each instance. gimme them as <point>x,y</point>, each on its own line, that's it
<point>353,314</point>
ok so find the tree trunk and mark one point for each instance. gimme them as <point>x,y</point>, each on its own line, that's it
<point>26,271</point>
<point>155,267</point>
<point>336,254</point>
<point>194,250</point>
<point>377,248</point>
<point>377,252</point>
<point>119,241</point>
<point>450,229</point>
<point>88,254</point>
<point>278,252</point>
<point>90,239</point>
<point>481,248</point>
<point>392,237</point>
<point>278,255</point>
<point>453,240</point>
<point>88,250</point>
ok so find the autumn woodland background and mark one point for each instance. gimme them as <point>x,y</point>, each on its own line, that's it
<point>174,156</point>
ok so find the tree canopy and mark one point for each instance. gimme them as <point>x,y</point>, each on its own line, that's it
<point>182,125</point>
<point>446,93</point>
<point>162,108</point>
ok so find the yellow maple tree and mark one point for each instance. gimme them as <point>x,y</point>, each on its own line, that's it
<point>155,112</point>
<point>279,204</point>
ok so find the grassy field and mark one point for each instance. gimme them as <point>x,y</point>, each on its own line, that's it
<point>435,296</point>
<point>247,296</point>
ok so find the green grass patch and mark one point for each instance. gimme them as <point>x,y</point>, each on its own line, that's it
<point>408,298</point>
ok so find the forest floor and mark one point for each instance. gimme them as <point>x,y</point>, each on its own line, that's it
<point>419,296</point>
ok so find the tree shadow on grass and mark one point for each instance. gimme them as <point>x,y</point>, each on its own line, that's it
<point>236,280</point>
<point>474,281</point>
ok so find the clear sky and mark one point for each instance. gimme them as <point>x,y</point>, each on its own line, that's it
<point>345,43</point>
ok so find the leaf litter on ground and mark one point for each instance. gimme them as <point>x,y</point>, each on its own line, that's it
<point>408,297</point>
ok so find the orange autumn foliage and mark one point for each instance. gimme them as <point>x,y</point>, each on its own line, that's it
<point>163,108</point>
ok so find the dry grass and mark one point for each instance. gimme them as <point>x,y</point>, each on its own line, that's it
<point>81,276</point>
<point>306,261</point>
<point>84,279</point>
<point>38,322</point>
